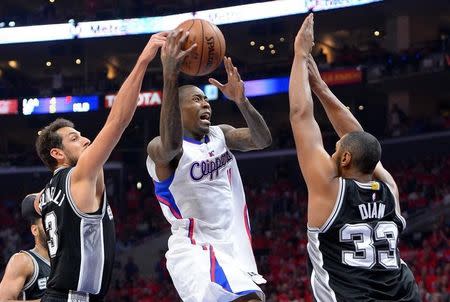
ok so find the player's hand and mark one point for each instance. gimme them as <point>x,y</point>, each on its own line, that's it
<point>171,53</point>
<point>304,41</point>
<point>234,88</point>
<point>156,41</point>
<point>315,80</point>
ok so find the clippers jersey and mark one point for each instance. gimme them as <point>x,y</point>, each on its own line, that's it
<point>81,246</point>
<point>354,255</point>
<point>204,200</point>
<point>36,286</point>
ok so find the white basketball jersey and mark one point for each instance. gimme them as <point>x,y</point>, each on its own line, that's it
<point>204,200</point>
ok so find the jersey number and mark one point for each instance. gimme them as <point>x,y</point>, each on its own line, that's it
<point>363,236</point>
<point>51,227</point>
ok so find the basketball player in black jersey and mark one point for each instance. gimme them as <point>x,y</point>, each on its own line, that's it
<point>76,216</point>
<point>354,219</point>
<point>27,272</point>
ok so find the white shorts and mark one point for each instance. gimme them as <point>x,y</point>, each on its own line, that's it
<point>203,274</point>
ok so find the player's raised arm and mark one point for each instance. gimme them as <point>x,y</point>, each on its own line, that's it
<point>18,270</point>
<point>341,118</point>
<point>164,148</point>
<point>94,157</point>
<point>316,165</point>
<point>257,135</point>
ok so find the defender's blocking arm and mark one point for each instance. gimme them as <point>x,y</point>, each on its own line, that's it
<point>92,160</point>
<point>340,117</point>
<point>257,135</point>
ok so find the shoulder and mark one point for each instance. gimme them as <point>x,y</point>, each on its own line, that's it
<point>21,264</point>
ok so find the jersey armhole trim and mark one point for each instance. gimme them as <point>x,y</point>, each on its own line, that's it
<point>397,207</point>
<point>337,207</point>
<point>35,272</point>
<point>74,207</point>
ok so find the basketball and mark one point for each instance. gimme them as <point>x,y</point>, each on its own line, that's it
<point>210,47</point>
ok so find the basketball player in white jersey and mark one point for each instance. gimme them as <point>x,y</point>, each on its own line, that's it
<point>199,188</point>
<point>26,274</point>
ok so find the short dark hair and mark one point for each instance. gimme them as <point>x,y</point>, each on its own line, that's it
<point>28,211</point>
<point>48,139</point>
<point>364,148</point>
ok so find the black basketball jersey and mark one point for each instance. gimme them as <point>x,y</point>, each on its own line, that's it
<point>37,284</point>
<point>81,246</point>
<point>354,255</point>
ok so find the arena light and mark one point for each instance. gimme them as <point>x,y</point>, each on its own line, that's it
<point>37,33</point>
<point>148,25</point>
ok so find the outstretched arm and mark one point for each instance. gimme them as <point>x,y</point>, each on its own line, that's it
<point>315,163</point>
<point>164,148</point>
<point>340,117</point>
<point>257,135</point>
<point>19,269</point>
<point>87,175</point>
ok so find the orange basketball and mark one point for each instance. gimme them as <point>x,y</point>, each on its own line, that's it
<point>210,47</point>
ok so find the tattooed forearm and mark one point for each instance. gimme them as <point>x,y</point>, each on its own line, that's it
<point>259,132</point>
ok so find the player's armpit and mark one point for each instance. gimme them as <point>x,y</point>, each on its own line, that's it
<point>382,174</point>
<point>19,269</point>
<point>238,138</point>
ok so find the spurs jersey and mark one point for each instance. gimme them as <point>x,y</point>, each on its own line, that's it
<point>37,284</point>
<point>354,255</point>
<point>204,200</point>
<point>81,246</point>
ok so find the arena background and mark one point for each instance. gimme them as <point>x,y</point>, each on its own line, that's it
<point>388,61</point>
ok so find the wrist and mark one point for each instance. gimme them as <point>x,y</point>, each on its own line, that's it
<point>143,60</point>
<point>170,72</point>
<point>301,55</point>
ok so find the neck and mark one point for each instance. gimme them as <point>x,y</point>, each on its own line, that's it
<point>358,176</point>
<point>195,136</point>
<point>64,165</point>
<point>42,251</point>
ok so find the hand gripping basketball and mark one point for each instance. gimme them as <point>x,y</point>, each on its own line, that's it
<point>172,55</point>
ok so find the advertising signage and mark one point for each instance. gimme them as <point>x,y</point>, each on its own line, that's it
<point>9,106</point>
<point>60,104</point>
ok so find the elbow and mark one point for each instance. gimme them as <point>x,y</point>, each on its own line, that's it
<point>296,114</point>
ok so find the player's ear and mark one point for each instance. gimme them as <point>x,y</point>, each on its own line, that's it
<point>57,153</point>
<point>34,229</point>
<point>345,159</point>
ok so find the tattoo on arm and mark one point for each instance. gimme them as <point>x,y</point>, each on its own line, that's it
<point>258,134</point>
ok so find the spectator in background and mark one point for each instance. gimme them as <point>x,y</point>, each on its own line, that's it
<point>397,121</point>
<point>131,270</point>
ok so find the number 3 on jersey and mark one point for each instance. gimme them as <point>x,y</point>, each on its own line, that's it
<point>51,227</point>
<point>363,236</point>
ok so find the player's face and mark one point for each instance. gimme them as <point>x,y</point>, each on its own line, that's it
<point>196,111</point>
<point>73,144</point>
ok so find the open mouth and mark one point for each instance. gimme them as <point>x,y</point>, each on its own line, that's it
<point>205,117</point>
